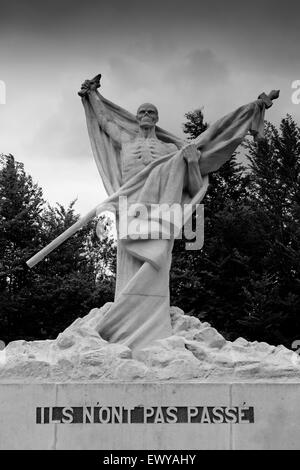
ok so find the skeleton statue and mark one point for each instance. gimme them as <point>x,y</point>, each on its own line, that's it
<point>148,165</point>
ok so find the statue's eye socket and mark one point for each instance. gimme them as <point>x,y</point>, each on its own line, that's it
<point>146,111</point>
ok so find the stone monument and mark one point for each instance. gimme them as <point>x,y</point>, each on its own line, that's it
<point>149,166</point>
<point>137,373</point>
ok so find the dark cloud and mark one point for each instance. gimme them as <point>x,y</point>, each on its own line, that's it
<point>199,66</point>
<point>229,18</point>
<point>179,55</point>
<point>256,32</point>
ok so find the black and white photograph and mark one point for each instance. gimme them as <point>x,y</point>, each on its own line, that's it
<point>149,229</point>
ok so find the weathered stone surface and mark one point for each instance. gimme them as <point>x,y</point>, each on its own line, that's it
<point>195,351</point>
<point>272,424</point>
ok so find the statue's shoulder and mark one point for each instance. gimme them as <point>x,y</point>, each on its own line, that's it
<point>127,138</point>
<point>171,146</point>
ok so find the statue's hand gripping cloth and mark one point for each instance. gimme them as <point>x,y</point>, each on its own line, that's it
<point>140,312</point>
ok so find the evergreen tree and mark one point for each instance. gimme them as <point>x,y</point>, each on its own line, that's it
<point>41,302</point>
<point>195,124</point>
<point>273,296</point>
<point>21,204</point>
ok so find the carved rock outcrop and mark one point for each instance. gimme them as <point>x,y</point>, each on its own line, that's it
<point>195,352</point>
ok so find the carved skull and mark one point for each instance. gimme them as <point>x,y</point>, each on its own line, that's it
<point>147,115</point>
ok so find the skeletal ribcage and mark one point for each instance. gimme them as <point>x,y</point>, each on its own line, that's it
<point>136,155</point>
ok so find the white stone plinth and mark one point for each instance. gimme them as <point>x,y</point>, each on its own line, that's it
<point>164,416</point>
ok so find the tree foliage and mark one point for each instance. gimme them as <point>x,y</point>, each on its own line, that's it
<point>77,276</point>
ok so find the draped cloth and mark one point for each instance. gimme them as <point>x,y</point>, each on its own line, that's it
<point>140,312</point>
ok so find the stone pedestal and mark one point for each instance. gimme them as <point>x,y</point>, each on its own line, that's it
<point>160,416</point>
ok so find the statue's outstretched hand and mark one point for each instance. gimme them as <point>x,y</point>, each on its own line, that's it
<point>90,85</point>
<point>274,94</point>
<point>267,99</point>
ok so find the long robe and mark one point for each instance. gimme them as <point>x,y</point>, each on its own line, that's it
<point>140,312</point>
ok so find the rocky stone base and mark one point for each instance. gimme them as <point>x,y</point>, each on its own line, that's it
<point>195,352</point>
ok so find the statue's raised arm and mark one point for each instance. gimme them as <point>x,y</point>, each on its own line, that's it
<point>88,90</point>
<point>222,138</point>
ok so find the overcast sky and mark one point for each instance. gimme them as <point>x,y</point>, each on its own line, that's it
<point>180,55</point>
